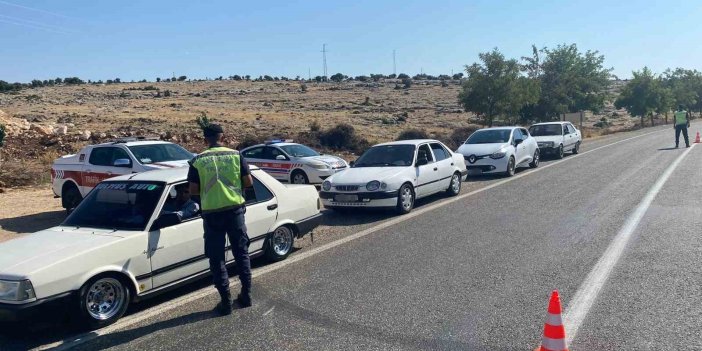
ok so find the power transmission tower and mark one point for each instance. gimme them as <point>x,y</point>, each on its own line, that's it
<point>324,59</point>
<point>309,73</point>
<point>394,66</point>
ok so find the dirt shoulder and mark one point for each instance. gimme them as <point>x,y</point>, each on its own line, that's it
<point>26,210</point>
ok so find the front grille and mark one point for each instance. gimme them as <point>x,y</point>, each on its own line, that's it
<point>346,187</point>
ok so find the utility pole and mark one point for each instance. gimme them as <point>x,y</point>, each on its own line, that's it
<point>324,59</point>
<point>394,66</point>
<point>309,73</point>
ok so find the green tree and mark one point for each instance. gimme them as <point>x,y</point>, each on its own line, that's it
<point>494,87</point>
<point>182,78</point>
<point>642,95</point>
<point>570,81</point>
<point>337,77</point>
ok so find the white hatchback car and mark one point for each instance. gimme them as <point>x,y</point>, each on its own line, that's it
<point>555,138</point>
<point>291,162</point>
<point>499,150</point>
<point>394,175</point>
<point>125,243</point>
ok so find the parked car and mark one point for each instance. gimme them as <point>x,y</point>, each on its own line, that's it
<point>556,138</point>
<point>499,150</point>
<point>122,244</point>
<point>73,176</point>
<point>394,175</point>
<point>292,162</point>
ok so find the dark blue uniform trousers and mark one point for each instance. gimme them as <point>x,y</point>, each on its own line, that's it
<point>233,224</point>
<point>681,128</point>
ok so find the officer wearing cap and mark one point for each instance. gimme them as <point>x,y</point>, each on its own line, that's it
<point>219,175</point>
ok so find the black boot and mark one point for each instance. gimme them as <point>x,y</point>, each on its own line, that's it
<point>225,305</point>
<point>244,300</point>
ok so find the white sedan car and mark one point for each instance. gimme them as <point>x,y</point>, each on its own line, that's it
<point>555,138</point>
<point>126,241</point>
<point>394,175</point>
<point>294,163</point>
<point>500,150</point>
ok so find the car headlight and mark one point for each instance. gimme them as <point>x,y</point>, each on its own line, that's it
<point>16,290</point>
<point>546,144</point>
<point>319,165</point>
<point>373,185</point>
<point>326,186</point>
<point>498,154</point>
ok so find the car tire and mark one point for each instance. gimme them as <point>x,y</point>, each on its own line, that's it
<point>70,197</point>
<point>576,149</point>
<point>405,199</point>
<point>536,159</point>
<point>511,167</point>
<point>455,185</point>
<point>103,300</point>
<point>279,243</point>
<point>299,177</point>
<point>559,153</point>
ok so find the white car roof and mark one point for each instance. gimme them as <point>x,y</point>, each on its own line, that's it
<point>134,143</point>
<point>499,128</point>
<point>272,144</point>
<point>169,175</point>
<point>547,123</point>
<point>414,142</point>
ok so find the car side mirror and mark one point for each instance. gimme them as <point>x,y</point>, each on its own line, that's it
<point>422,161</point>
<point>352,163</point>
<point>166,219</point>
<point>280,158</point>
<point>518,141</point>
<point>123,162</point>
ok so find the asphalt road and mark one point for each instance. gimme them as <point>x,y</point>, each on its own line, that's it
<point>468,273</point>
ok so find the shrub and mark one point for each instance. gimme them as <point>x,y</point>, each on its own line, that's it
<point>315,126</point>
<point>182,78</point>
<point>407,82</point>
<point>303,87</point>
<point>167,93</point>
<point>337,77</point>
<point>457,76</point>
<point>343,137</point>
<point>248,140</point>
<point>444,84</point>
<point>158,80</point>
<point>2,135</point>
<point>402,76</point>
<point>409,134</point>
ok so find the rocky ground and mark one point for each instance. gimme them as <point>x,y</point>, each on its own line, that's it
<point>44,123</point>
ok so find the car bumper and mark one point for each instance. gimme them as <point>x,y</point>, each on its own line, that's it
<point>363,199</point>
<point>548,149</point>
<point>487,166</point>
<point>37,309</point>
<point>306,225</point>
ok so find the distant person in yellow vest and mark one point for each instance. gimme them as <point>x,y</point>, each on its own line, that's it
<point>682,122</point>
<point>219,175</point>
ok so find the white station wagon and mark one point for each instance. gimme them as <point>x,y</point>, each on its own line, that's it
<point>126,241</point>
<point>394,175</point>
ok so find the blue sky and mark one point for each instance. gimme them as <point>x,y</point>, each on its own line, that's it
<point>134,40</point>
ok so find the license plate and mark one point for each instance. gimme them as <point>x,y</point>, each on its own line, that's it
<point>346,198</point>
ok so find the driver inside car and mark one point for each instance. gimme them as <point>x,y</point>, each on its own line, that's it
<point>179,202</point>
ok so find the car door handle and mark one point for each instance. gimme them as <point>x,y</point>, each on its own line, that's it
<point>451,163</point>
<point>272,207</point>
<point>436,169</point>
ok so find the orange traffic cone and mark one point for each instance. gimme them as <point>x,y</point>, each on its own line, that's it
<point>697,138</point>
<point>554,332</point>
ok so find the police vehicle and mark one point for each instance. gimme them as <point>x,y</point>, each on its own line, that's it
<point>292,162</point>
<point>73,176</point>
<point>122,244</point>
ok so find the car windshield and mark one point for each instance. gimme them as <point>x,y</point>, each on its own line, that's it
<point>492,136</point>
<point>155,153</point>
<point>546,130</point>
<point>117,205</point>
<point>299,151</point>
<point>387,156</point>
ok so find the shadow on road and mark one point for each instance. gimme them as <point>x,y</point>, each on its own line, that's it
<point>668,148</point>
<point>33,222</point>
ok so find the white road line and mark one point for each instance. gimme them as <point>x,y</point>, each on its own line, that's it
<point>196,295</point>
<point>586,295</point>
<point>269,311</point>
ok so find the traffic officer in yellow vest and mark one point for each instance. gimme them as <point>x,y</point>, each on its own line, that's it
<point>219,175</point>
<point>682,122</point>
